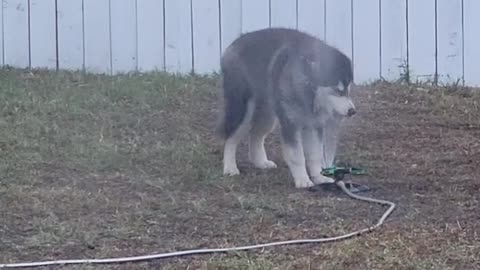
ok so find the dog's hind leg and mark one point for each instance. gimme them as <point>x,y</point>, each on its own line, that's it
<point>234,124</point>
<point>230,149</point>
<point>263,123</point>
<point>314,154</point>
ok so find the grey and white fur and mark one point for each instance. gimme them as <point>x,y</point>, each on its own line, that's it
<point>287,77</point>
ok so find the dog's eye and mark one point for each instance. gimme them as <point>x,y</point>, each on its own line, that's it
<point>340,91</point>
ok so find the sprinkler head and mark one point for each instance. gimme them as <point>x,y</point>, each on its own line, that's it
<point>338,173</point>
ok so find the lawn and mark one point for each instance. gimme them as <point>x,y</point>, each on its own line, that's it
<point>96,167</point>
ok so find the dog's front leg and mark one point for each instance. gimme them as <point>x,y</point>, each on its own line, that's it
<point>293,153</point>
<point>330,138</point>
<point>313,148</point>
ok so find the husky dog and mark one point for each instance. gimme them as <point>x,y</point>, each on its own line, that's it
<point>284,76</point>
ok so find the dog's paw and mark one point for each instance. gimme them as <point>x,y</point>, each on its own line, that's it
<point>267,164</point>
<point>320,179</point>
<point>231,171</point>
<point>303,183</point>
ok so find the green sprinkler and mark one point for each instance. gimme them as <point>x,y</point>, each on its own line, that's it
<point>338,173</point>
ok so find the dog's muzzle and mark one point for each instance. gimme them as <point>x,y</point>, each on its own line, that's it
<point>351,112</point>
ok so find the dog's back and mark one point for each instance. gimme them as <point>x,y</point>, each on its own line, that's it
<point>251,53</point>
<point>244,68</point>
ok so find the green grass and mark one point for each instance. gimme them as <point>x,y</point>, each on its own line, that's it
<point>87,121</point>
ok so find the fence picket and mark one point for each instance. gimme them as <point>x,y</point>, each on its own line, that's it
<point>124,35</point>
<point>206,36</point>
<point>393,39</point>
<point>150,37</point>
<point>284,13</point>
<point>366,40</point>
<point>421,40</point>
<point>449,41</point>
<point>70,34</point>
<point>231,21</point>
<point>255,15</point>
<point>43,40</point>
<point>16,33</point>
<point>311,17</point>
<point>97,36</point>
<point>339,25</point>
<point>178,36</point>
<point>472,42</point>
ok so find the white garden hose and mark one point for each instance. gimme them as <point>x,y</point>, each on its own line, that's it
<point>341,184</point>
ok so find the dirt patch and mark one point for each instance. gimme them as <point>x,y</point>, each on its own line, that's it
<point>101,167</point>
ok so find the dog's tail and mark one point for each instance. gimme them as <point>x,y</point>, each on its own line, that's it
<point>236,88</point>
<point>236,95</point>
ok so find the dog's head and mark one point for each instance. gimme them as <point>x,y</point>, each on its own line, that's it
<point>334,100</point>
<point>329,73</point>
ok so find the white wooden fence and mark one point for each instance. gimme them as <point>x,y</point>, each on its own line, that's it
<point>385,38</point>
